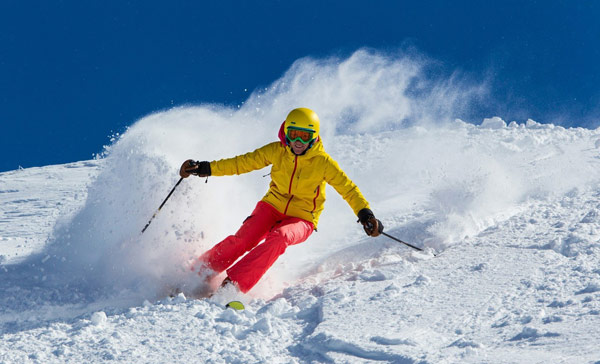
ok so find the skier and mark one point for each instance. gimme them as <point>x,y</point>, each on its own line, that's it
<point>289,212</point>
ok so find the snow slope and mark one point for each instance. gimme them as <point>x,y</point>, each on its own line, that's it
<point>511,210</point>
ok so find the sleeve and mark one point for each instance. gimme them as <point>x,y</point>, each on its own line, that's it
<point>244,163</point>
<point>345,187</point>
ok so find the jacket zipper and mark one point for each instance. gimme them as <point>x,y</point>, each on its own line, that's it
<point>315,199</point>
<point>288,204</point>
<point>293,173</point>
<point>291,181</point>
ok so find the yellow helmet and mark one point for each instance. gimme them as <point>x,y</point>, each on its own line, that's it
<point>302,119</point>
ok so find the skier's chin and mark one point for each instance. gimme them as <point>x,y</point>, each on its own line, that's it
<point>298,149</point>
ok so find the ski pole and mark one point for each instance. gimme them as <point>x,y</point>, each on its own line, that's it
<point>370,226</point>
<point>161,205</point>
<point>403,242</point>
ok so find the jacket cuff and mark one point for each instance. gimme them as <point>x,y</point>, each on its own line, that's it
<point>204,168</point>
<point>364,215</point>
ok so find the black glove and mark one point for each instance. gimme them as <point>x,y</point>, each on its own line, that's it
<point>200,169</point>
<point>372,226</point>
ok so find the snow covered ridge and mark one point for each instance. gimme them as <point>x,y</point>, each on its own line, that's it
<point>513,210</point>
<point>32,200</point>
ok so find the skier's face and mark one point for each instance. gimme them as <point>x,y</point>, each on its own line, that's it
<point>298,147</point>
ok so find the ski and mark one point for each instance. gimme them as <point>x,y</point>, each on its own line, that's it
<point>236,305</point>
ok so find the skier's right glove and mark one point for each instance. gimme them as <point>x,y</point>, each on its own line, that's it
<point>372,226</point>
<point>200,169</point>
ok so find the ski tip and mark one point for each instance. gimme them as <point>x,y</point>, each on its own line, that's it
<point>236,305</point>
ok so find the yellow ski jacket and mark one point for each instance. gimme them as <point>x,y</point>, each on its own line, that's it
<point>297,185</point>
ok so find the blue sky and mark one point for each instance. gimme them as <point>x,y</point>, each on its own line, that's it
<point>74,72</point>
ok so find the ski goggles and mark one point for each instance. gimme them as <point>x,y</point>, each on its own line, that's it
<point>303,136</point>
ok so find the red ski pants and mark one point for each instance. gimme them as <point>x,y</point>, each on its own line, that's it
<point>278,230</point>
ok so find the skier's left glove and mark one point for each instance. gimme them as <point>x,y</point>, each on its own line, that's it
<point>372,226</point>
